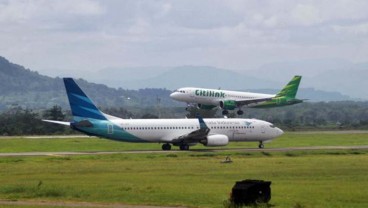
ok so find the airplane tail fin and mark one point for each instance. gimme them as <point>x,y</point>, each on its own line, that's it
<point>291,88</point>
<point>80,104</point>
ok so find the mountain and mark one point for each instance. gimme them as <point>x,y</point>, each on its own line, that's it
<point>334,75</point>
<point>22,87</point>
<point>202,76</point>
<point>311,94</point>
<point>324,79</point>
<point>17,79</point>
<point>176,77</point>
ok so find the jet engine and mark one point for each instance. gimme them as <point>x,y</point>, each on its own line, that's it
<point>228,104</point>
<point>216,140</point>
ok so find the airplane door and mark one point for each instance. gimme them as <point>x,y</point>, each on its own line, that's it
<point>263,129</point>
<point>110,129</point>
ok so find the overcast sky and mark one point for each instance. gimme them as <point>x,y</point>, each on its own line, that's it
<point>46,35</point>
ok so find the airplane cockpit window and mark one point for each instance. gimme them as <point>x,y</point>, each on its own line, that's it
<point>181,91</point>
<point>272,126</point>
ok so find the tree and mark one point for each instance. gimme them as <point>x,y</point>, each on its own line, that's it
<point>54,113</point>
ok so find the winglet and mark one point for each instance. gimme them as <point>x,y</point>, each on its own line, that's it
<point>202,124</point>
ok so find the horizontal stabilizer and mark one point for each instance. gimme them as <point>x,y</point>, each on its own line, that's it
<point>58,122</point>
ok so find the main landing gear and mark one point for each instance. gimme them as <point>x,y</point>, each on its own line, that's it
<point>166,146</point>
<point>184,147</point>
<point>261,146</point>
<point>239,112</point>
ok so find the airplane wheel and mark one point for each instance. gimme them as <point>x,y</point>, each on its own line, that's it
<point>166,146</point>
<point>261,146</point>
<point>240,112</point>
<point>184,147</point>
<point>225,112</point>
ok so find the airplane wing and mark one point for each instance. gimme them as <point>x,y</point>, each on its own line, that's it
<point>247,102</point>
<point>194,136</point>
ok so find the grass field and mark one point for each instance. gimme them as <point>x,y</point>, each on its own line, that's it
<point>97,144</point>
<point>333,178</point>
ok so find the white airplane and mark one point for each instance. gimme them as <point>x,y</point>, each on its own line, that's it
<point>88,119</point>
<point>229,100</point>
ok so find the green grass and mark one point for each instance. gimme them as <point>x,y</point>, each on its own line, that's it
<point>319,178</point>
<point>311,179</point>
<point>97,144</point>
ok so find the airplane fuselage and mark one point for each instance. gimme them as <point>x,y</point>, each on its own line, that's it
<point>230,100</point>
<point>214,97</point>
<point>164,130</point>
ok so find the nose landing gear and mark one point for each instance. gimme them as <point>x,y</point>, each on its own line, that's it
<point>239,112</point>
<point>260,146</point>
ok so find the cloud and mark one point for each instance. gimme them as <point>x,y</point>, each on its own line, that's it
<point>95,34</point>
<point>360,29</point>
<point>306,15</point>
<point>19,10</point>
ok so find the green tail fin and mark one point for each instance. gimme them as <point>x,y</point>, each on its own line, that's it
<point>291,88</point>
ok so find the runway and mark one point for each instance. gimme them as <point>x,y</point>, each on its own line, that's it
<point>15,154</point>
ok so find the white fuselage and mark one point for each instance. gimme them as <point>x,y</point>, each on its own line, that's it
<point>166,130</point>
<point>213,96</point>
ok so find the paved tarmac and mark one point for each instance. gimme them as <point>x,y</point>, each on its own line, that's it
<point>288,149</point>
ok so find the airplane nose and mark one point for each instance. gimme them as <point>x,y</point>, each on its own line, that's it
<point>175,95</point>
<point>279,132</point>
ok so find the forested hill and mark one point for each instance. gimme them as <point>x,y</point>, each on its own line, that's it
<point>17,79</point>
<point>22,87</point>
<point>28,89</point>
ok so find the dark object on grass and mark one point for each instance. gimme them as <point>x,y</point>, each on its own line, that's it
<point>248,192</point>
<point>227,160</point>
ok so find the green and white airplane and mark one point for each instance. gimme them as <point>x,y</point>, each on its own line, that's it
<point>230,100</point>
<point>88,119</point>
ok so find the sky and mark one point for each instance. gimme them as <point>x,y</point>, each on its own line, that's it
<point>89,35</point>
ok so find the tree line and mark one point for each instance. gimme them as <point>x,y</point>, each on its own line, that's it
<point>305,116</point>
